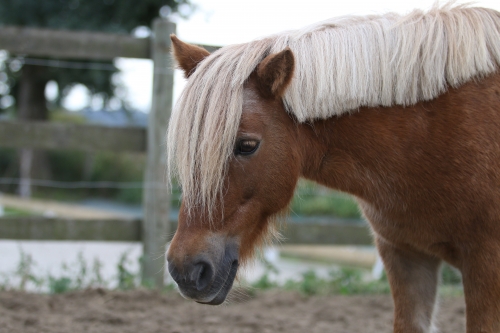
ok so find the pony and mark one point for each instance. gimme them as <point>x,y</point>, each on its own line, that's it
<point>401,112</point>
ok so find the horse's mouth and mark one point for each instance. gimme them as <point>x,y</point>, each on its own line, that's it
<point>221,295</point>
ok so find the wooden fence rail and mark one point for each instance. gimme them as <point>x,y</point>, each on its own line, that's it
<point>76,44</point>
<point>340,232</point>
<point>72,44</point>
<point>48,135</point>
<point>40,228</point>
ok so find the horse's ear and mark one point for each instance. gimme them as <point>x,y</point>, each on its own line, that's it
<point>187,56</point>
<point>274,73</point>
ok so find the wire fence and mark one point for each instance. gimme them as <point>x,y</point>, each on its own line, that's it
<point>305,192</point>
<point>81,184</point>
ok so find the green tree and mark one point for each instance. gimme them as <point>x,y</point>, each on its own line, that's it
<point>25,82</point>
<point>117,16</point>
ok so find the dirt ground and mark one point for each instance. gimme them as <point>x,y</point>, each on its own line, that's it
<point>148,312</point>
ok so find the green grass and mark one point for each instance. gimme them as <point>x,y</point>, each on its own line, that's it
<point>16,212</point>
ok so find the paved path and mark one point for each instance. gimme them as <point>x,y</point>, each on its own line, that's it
<point>55,208</point>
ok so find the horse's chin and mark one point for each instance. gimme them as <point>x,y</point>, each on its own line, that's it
<point>221,295</point>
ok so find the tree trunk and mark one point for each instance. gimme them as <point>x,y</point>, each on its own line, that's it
<point>31,106</point>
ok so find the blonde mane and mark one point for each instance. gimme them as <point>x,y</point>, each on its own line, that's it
<point>341,64</point>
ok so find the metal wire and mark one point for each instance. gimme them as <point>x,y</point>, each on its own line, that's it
<point>81,65</point>
<point>82,184</point>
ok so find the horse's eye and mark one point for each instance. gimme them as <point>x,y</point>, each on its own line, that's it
<point>246,147</point>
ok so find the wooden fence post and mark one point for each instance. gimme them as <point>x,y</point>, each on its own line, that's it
<point>156,195</point>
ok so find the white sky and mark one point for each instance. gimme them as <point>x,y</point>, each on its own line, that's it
<point>222,22</point>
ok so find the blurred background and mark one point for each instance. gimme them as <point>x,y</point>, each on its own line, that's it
<point>80,184</point>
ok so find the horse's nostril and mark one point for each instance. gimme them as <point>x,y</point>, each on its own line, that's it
<point>203,274</point>
<point>173,272</point>
<point>198,276</point>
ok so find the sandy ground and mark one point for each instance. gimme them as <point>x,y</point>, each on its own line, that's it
<point>149,312</point>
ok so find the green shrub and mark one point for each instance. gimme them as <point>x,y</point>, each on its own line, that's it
<point>7,158</point>
<point>66,165</point>
<point>311,199</point>
<point>450,275</point>
<point>74,166</point>
<point>129,195</point>
<point>8,168</point>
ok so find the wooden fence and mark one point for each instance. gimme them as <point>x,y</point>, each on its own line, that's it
<point>101,46</point>
<point>154,227</point>
<point>313,231</point>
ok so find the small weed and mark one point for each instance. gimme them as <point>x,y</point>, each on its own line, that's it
<point>352,281</point>
<point>97,280</point>
<point>76,275</point>
<point>60,285</point>
<point>145,282</point>
<point>265,281</point>
<point>24,272</point>
<point>80,275</point>
<point>311,284</point>
<point>345,281</point>
<point>126,278</point>
<point>82,271</point>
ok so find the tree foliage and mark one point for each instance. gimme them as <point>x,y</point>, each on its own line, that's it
<point>117,16</point>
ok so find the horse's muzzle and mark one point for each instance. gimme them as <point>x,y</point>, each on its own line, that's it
<point>207,278</point>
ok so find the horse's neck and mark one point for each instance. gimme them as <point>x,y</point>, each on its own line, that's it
<point>383,153</point>
<point>352,153</point>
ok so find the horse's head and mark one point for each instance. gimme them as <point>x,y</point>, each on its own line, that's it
<point>259,180</point>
